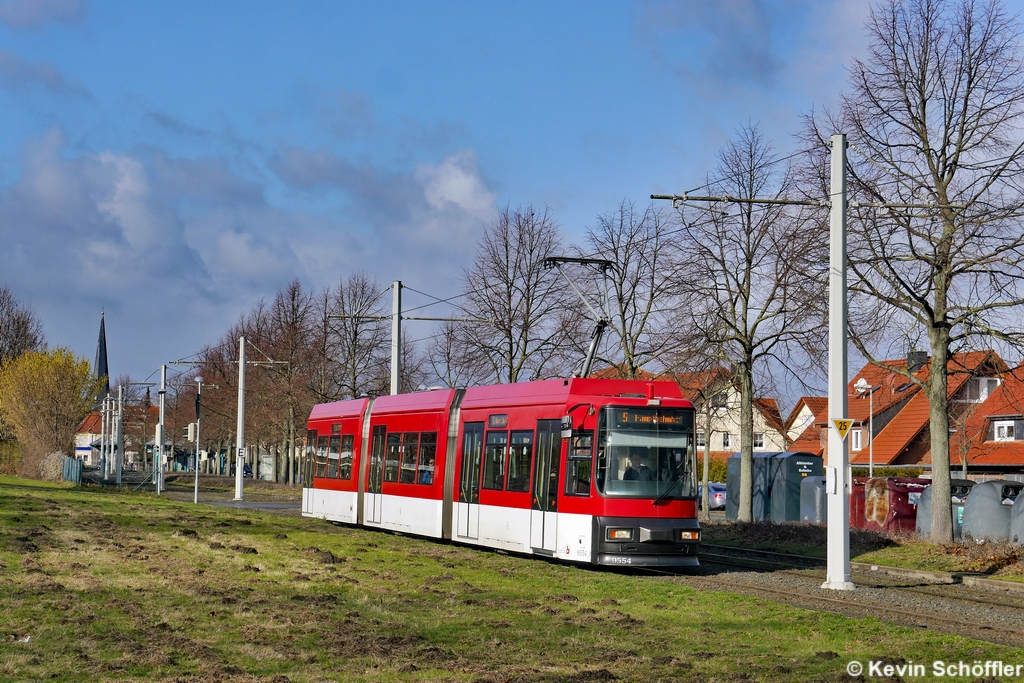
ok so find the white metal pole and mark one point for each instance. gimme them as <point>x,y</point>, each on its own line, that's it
<point>837,474</point>
<point>161,428</point>
<point>119,455</point>
<point>396,335</point>
<point>103,436</point>
<point>199,393</point>
<point>871,433</point>
<point>240,452</point>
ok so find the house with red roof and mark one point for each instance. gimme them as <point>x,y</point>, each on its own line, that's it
<point>891,413</point>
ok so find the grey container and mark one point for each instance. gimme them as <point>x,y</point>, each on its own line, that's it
<point>1017,523</point>
<point>987,510</point>
<point>813,501</point>
<point>776,484</point>
<point>959,488</point>
<point>789,472</point>
<point>762,472</point>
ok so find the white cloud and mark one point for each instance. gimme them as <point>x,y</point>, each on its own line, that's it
<point>456,180</point>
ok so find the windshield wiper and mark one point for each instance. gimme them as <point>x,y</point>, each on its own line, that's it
<point>661,499</point>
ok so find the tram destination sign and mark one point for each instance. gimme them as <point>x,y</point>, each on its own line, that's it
<point>664,419</point>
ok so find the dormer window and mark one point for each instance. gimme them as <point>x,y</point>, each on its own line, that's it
<point>978,389</point>
<point>1003,430</point>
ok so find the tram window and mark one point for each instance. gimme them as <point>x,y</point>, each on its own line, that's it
<point>428,451</point>
<point>494,461</point>
<point>410,443</point>
<point>579,464</point>
<point>347,451</point>
<point>321,457</point>
<point>391,457</point>
<point>332,457</point>
<point>520,458</point>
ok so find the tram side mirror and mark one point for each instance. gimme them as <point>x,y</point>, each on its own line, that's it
<point>567,427</point>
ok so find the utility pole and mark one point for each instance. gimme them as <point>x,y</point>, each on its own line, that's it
<point>199,399</point>
<point>396,336</point>
<point>837,469</point>
<point>158,450</point>
<point>396,318</point>
<point>119,443</point>
<point>240,453</point>
<point>837,474</point>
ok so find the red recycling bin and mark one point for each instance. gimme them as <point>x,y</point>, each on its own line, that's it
<point>888,504</point>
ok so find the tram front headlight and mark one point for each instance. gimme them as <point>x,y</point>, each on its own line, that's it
<point>689,535</point>
<point>620,534</point>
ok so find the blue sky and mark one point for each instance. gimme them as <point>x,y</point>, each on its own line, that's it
<point>173,163</point>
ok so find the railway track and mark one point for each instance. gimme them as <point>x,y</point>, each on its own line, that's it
<point>923,602</point>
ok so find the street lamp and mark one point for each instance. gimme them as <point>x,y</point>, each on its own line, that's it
<point>861,386</point>
<point>199,395</point>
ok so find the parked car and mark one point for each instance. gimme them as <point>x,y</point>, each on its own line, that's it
<point>716,495</point>
<point>247,471</point>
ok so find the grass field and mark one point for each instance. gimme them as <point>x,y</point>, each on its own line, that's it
<point>115,586</point>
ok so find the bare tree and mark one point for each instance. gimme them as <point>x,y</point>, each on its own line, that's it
<point>752,286</point>
<point>934,116</point>
<point>20,328</point>
<point>509,285</point>
<point>644,297</point>
<point>358,342</point>
<point>454,361</point>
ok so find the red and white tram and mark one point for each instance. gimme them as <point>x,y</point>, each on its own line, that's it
<point>584,470</point>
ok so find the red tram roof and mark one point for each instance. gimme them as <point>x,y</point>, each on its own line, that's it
<point>339,409</point>
<point>420,401</point>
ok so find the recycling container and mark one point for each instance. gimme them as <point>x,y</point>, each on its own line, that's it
<point>813,501</point>
<point>788,473</point>
<point>890,503</point>
<point>987,510</point>
<point>776,484</point>
<point>959,489</point>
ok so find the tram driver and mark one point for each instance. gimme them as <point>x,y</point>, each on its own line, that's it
<point>636,470</point>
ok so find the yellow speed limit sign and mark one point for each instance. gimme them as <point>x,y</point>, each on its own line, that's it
<point>843,427</point>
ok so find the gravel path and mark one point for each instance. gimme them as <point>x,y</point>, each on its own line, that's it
<point>984,615</point>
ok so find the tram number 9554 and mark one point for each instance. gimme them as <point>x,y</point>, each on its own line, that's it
<point>620,560</point>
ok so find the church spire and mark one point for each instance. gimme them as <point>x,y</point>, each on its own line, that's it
<point>100,369</point>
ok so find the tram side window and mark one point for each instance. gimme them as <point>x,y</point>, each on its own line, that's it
<point>391,457</point>
<point>494,461</point>
<point>428,451</point>
<point>520,457</point>
<point>333,452</point>
<point>580,464</point>
<point>347,450</point>
<point>410,441</point>
<point>321,457</point>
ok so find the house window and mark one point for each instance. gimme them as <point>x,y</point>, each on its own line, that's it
<point>700,440</point>
<point>855,440</point>
<point>1004,430</point>
<point>978,389</point>
<point>726,440</point>
<point>759,440</point>
<point>720,400</point>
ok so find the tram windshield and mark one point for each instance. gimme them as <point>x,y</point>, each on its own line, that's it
<point>646,452</point>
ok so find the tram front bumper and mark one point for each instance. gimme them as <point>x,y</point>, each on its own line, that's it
<point>638,560</point>
<point>646,542</point>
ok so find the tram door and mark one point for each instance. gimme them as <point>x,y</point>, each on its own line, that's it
<point>545,486</point>
<point>468,507</point>
<point>373,494</point>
